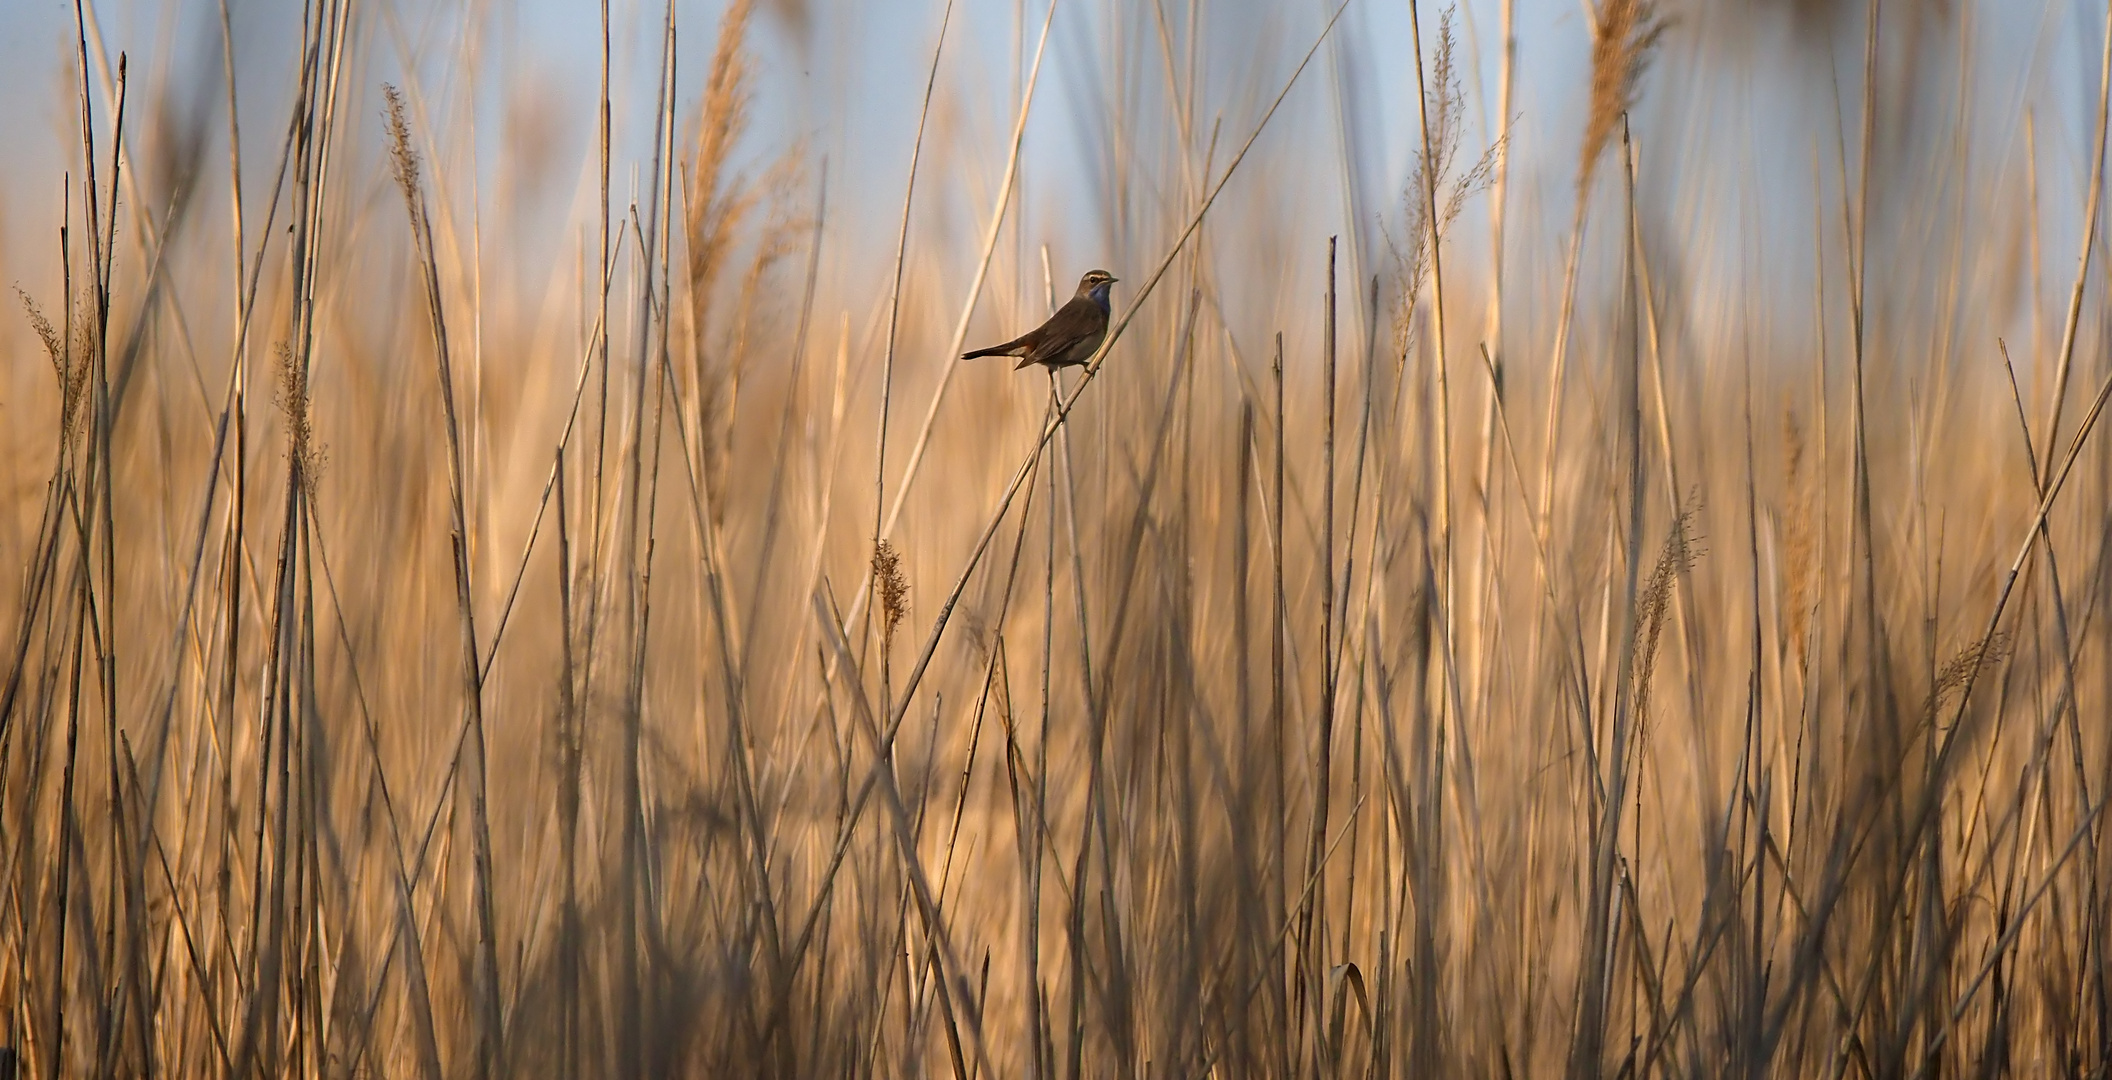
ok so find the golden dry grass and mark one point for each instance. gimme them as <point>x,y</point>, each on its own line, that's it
<point>574,722</point>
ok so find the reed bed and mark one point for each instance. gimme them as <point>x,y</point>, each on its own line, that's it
<point>1434,636</point>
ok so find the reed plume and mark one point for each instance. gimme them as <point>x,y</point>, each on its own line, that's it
<point>1623,35</point>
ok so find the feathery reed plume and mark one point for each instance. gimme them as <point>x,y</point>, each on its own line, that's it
<point>1674,560</point>
<point>307,456</point>
<point>1963,668</point>
<point>73,377</point>
<point>1623,33</point>
<point>1798,543</point>
<point>477,784</point>
<point>894,589</point>
<point>714,205</point>
<point>1432,185</point>
<point>403,161</point>
<point>46,333</point>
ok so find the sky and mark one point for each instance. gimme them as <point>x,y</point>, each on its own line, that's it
<point>1753,84</point>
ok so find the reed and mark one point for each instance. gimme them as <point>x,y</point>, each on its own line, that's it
<point>425,656</point>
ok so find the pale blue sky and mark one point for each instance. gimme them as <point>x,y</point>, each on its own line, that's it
<point>1731,87</point>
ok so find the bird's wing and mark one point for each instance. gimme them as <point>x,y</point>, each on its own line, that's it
<point>1023,345</point>
<point>1073,323</point>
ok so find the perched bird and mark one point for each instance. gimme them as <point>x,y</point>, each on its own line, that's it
<point>1070,336</point>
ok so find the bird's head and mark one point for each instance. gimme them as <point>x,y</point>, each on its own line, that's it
<point>1094,285</point>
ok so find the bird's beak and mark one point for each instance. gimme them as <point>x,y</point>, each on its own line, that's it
<point>1111,279</point>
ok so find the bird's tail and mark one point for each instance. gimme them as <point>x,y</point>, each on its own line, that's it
<point>994,350</point>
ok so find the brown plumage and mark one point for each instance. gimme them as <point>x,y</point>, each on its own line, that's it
<point>1070,337</point>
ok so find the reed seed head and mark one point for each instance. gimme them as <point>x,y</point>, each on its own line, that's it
<point>894,589</point>
<point>1624,32</point>
<point>290,393</point>
<point>403,161</point>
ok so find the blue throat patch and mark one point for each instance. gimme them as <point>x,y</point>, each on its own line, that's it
<point>1099,296</point>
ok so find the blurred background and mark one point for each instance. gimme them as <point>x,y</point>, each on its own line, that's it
<point>1759,96</point>
<point>1582,556</point>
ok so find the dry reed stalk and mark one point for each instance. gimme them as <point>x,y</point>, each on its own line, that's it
<point>1624,34</point>
<point>98,540</point>
<point>1311,951</point>
<point>894,296</point>
<point>975,288</point>
<point>63,895</point>
<point>625,1051</point>
<point>1041,1048</point>
<point>2091,210</point>
<point>570,748</point>
<point>1493,332</point>
<point>1278,698</point>
<point>1432,165</point>
<point>990,685</point>
<point>1096,748</point>
<point>1859,239</point>
<point>925,900</point>
<point>636,918</point>
<point>600,338</point>
<point>491,1045</point>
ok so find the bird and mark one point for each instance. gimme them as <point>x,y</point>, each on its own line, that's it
<point>1070,337</point>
